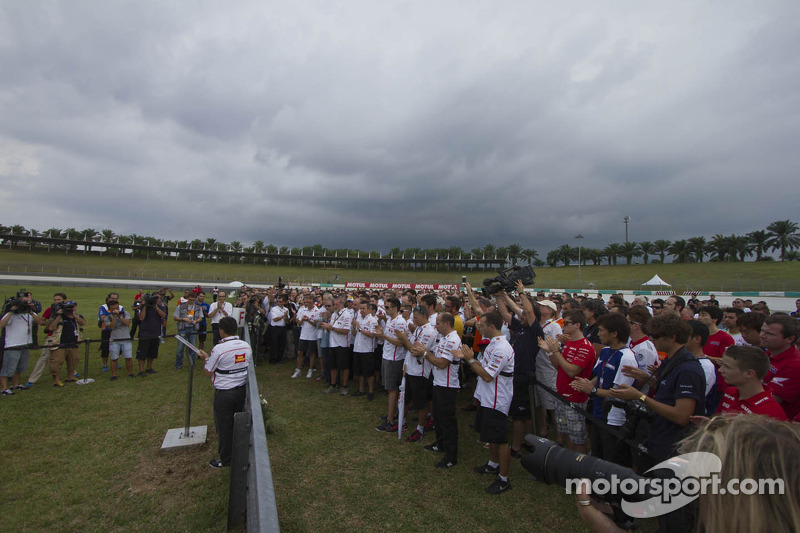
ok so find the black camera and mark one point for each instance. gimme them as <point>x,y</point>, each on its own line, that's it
<point>16,306</point>
<point>150,300</point>
<point>66,308</point>
<point>506,280</point>
<point>636,413</point>
<point>281,284</point>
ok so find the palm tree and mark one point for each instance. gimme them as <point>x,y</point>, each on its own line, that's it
<point>489,251</point>
<point>759,241</point>
<point>530,255</point>
<point>629,250</point>
<point>566,253</point>
<point>645,249</point>
<point>514,252</point>
<point>552,258</point>
<point>719,247</point>
<point>741,246</point>
<point>612,251</point>
<point>258,247</point>
<point>681,251</point>
<point>783,235</point>
<point>661,247</point>
<point>697,245</point>
<point>594,255</point>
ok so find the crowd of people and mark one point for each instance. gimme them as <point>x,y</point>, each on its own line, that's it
<point>604,373</point>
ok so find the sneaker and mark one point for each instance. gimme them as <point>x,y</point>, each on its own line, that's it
<point>414,437</point>
<point>429,424</point>
<point>386,426</point>
<point>19,387</point>
<point>143,374</point>
<point>309,373</point>
<point>131,375</point>
<point>516,454</point>
<point>498,486</point>
<point>7,392</point>
<point>486,469</point>
<point>215,463</point>
<point>59,384</point>
<point>445,463</point>
<point>151,371</point>
<point>344,392</point>
<point>370,396</point>
<point>29,385</point>
<point>329,390</point>
<point>319,378</point>
<point>359,393</point>
<point>296,373</point>
<point>178,368</point>
<point>104,369</point>
<point>113,378</point>
<point>76,375</point>
<point>435,447</point>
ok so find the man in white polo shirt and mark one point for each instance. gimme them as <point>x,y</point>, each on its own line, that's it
<point>394,355</point>
<point>307,318</point>
<point>217,311</point>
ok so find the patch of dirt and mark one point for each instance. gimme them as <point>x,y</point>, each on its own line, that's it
<point>172,468</point>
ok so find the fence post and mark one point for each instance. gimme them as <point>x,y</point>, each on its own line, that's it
<point>85,362</point>
<point>189,392</point>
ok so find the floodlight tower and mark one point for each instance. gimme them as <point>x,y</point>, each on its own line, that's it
<point>626,219</point>
<point>579,237</point>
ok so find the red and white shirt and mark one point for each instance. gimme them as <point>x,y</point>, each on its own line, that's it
<point>783,379</point>
<point>419,366</point>
<point>761,404</point>
<point>342,319</point>
<point>580,352</point>
<point>362,343</point>
<point>308,331</point>
<point>228,361</point>
<point>447,377</point>
<point>498,361</point>
<point>390,351</point>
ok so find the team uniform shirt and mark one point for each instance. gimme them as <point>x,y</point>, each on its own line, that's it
<point>432,319</point>
<point>498,361</point>
<point>228,308</point>
<point>276,316</point>
<point>738,340</point>
<point>581,353</point>
<point>363,343</point>
<point>120,331</point>
<point>419,366</point>
<point>608,370</point>
<point>710,370</point>
<point>228,361</point>
<point>342,319</point>
<point>715,347</point>
<point>783,380</point>
<point>390,351</point>
<point>18,330</point>
<point>447,377</point>
<point>308,331</point>
<point>761,404</point>
<point>646,355</point>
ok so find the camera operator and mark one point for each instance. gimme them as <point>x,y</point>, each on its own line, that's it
<point>105,330</point>
<point>17,321</point>
<point>65,325</point>
<point>151,316</point>
<point>118,321</point>
<point>44,355</point>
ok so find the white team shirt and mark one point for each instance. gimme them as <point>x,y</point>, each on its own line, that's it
<point>498,359</point>
<point>390,351</point>
<point>646,355</point>
<point>340,320</point>
<point>364,344</point>
<point>447,377</point>
<point>228,361</point>
<point>308,331</point>
<point>276,316</point>
<point>711,373</point>
<point>227,307</point>
<point>419,366</point>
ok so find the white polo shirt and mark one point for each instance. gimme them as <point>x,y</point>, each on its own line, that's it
<point>364,344</point>
<point>228,361</point>
<point>228,308</point>
<point>390,351</point>
<point>419,366</point>
<point>276,316</point>
<point>498,361</point>
<point>340,320</point>
<point>308,331</point>
<point>447,377</point>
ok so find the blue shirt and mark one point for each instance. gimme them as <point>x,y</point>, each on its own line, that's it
<point>205,307</point>
<point>606,370</point>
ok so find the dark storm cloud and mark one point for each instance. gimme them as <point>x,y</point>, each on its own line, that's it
<point>371,126</point>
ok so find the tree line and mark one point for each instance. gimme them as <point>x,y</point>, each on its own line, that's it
<point>782,235</point>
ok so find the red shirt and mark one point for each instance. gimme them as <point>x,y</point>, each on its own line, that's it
<point>715,347</point>
<point>761,404</point>
<point>783,379</point>
<point>581,353</point>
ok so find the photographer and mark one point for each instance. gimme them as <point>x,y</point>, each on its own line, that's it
<point>105,331</point>
<point>188,316</point>
<point>151,316</point>
<point>66,326</point>
<point>18,321</point>
<point>117,321</point>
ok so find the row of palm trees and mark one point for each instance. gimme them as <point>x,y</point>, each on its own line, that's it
<point>781,235</point>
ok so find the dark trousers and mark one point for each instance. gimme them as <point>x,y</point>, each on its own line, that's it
<point>215,334</point>
<point>606,446</point>
<point>105,336</point>
<point>226,404</point>
<point>277,343</point>
<point>444,413</point>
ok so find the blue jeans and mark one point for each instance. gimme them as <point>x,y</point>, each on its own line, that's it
<point>191,337</point>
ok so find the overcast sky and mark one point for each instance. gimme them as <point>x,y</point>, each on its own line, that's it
<point>412,124</point>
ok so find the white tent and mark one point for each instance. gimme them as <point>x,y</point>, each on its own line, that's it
<point>238,284</point>
<point>655,280</point>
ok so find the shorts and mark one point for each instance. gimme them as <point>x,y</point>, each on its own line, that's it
<point>571,423</point>
<point>15,361</point>
<point>418,392</point>
<point>392,372</point>
<point>148,349</point>
<point>307,346</point>
<point>58,356</point>
<point>521,400</point>
<point>339,358</point>
<point>492,425</point>
<point>116,348</point>
<point>363,364</point>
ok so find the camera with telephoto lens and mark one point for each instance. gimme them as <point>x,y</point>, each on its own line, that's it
<point>150,300</point>
<point>66,308</point>
<point>506,280</point>
<point>636,413</point>
<point>17,306</point>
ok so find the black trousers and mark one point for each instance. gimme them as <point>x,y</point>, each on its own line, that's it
<point>227,403</point>
<point>105,337</point>
<point>444,416</point>
<point>277,343</point>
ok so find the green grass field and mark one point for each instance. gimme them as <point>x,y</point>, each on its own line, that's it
<point>87,458</point>
<point>761,276</point>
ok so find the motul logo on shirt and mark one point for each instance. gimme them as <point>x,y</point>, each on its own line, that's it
<point>240,358</point>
